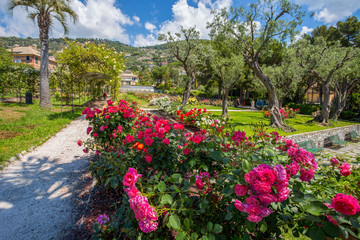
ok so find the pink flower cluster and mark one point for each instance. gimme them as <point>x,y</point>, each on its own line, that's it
<point>345,204</point>
<point>345,169</point>
<point>239,137</point>
<point>265,185</point>
<point>303,161</point>
<point>146,214</point>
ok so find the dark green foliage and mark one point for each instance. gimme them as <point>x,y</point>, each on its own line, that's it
<point>307,109</point>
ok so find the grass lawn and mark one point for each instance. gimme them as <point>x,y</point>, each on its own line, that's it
<point>142,103</point>
<point>23,126</point>
<point>244,121</point>
<point>210,107</point>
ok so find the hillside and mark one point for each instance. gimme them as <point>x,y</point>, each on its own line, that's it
<point>137,57</point>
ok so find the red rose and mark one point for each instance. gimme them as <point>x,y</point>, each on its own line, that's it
<point>345,204</point>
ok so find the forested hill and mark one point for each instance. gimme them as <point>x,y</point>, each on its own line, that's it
<point>56,44</point>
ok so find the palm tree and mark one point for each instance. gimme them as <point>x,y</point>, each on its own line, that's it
<point>45,11</point>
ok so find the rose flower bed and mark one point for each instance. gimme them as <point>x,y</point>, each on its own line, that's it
<point>224,185</point>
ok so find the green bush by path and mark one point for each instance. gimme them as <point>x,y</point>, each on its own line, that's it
<point>245,120</point>
<point>23,126</point>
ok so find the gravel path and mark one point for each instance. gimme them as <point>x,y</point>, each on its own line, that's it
<point>36,191</point>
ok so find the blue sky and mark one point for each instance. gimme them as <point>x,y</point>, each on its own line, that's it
<point>138,22</point>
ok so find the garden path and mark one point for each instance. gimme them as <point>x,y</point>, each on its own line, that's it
<point>36,192</point>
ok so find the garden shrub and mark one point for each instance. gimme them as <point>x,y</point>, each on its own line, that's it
<point>165,104</point>
<point>307,109</point>
<point>215,184</point>
<point>348,115</point>
<point>285,113</point>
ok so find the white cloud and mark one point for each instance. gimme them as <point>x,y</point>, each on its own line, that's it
<point>148,40</point>
<point>331,11</point>
<point>149,26</point>
<point>136,19</point>
<point>304,30</point>
<point>96,19</point>
<point>186,16</point>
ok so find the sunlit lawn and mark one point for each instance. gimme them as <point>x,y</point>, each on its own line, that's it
<point>23,126</point>
<point>202,106</point>
<point>245,120</point>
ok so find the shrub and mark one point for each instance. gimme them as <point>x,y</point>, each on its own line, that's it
<point>307,109</point>
<point>164,104</point>
<point>224,185</point>
<point>348,115</point>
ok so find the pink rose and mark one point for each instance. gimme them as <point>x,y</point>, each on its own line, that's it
<point>345,169</point>
<point>131,177</point>
<point>345,204</point>
<point>252,200</point>
<point>102,219</point>
<point>186,151</point>
<point>199,184</point>
<point>253,210</point>
<point>293,168</point>
<point>280,173</point>
<point>148,226</point>
<point>129,138</point>
<point>88,130</point>
<point>267,198</point>
<point>148,141</point>
<point>306,175</point>
<point>267,176</point>
<point>140,135</point>
<point>132,192</point>
<point>148,158</point>
<point>334,161</point>
<point>103,127</point>
<point>79,143</point>
<point>107,116</point>
<point>282,194</point>
<point>95,134</point>
<point>241,190</point>
<point>240,206</point>
<point>166,141</point>
<point>251,177</point>
<point>262,187</point>
<point>253,218</point>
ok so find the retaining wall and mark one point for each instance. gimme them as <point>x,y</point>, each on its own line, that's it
<point>321,138</point>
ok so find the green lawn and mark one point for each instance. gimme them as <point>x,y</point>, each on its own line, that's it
<point>202,106</point>
<point>23,126</point>
<point>244,121</point>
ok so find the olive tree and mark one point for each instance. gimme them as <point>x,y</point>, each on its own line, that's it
<point>254,28</point>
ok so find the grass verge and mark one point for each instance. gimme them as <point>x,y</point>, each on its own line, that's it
<point>245,121</point>
<point>23,126</point>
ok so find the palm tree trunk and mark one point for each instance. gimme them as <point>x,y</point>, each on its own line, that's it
<point>44,68</point>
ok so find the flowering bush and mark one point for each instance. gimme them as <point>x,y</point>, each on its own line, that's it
<point>285,113</point>
<point>223,185</point>
<point>165,104</point>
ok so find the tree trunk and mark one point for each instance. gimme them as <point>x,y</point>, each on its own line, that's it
<point>225,93</point>
<point>186,94</point>
<point>274,105</point>
<point>325,111</point>
<point>45,101</point>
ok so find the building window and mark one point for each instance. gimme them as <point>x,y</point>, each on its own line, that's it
<point>27,59</point>
<point>36,60</point>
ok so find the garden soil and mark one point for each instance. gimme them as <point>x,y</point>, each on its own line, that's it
<point>42,194</point>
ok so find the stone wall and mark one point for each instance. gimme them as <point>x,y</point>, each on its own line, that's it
<point>321,138</point>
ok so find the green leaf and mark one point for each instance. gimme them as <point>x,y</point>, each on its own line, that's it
<point>180,236</point>
<point>211,237</point>
<point>176,177</point>
<point>228,216</point>
<point>175,222</point>
<point>216,155</point>
<point>217,228</point>
<point>316,233</point>
<point>269,153</point>
<point>316,208</point>
<point>161,186</point>
<point>194,236</point>
<point>204,238</point>
<point>209,226</point>
<point>331,229</point>
<point>263,227</point>
<point>187,223</point>
<point>166,199</point>
<point>114,182</point>
<point>246,165</point>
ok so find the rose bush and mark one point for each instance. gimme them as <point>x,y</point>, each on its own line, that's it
<point>216,184</point>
